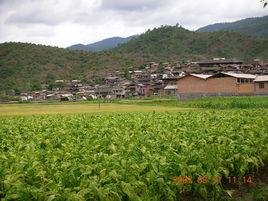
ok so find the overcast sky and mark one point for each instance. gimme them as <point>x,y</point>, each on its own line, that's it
<point>66,22</point>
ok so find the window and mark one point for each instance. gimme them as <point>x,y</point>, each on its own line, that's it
<point>261,85</point>
<point>244,80</point>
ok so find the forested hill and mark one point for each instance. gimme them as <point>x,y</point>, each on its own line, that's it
<point>257,26</point>
<point>25,66</point>
<point>172,41</point>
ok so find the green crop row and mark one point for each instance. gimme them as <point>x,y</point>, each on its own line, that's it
<point>228,102</point>
<point>128,156</point>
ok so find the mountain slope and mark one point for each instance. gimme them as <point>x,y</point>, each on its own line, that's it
<point>24,67</point>
<point>251,26</point>
<point>177,42</point>
<point>105,44</point>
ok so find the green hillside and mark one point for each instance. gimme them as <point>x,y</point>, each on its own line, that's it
<point>174,42</point>
<point>25,66</point>
<point>257,26</point>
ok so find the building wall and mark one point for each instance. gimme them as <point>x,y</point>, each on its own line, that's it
<point>221,85</point>
<point>259,90</point>
<point>149,90</point>
<point>246,88</point>
<point>191,87</point>
<point>191,84</point>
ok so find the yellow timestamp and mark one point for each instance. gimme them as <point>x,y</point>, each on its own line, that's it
<point>215,180</point>
<point>183,180</point>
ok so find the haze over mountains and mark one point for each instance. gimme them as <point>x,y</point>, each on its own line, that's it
<point>103,44</point>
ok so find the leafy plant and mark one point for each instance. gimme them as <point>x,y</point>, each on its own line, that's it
<point>128,156</point>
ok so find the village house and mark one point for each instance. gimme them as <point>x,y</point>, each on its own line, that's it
<point>39,95</point>
<point>153,76</point>
<point>140,89</point>
<point>170,89</point>
<point>158,88</point>
<point>137,74</point>
<point>52,96</point>
<point>66,97</point>
<point>25,97</point>
<point>59,81</point>
<point>118,92</point>
<point>153,67</point>
<point>167,67</point>
<point>80,96</point>
<point>148,90</point>
<point>218,63</point>
<point>219,84</point>
<point>102,91</point>
<point>261,85</point>
<point>131,89</point>
<point>111,80</point>
<point>186,80</point>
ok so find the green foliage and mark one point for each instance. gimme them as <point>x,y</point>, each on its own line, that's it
<point>22,63</point>
<point>126,73</point>
<point>257,27</point>
<point>36,86</point>
<point>8,98</point>
<point>130,156</point>
<point>228,102</point>
<point>169,42</point>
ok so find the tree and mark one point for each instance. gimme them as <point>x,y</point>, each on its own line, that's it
<point>36,86</point>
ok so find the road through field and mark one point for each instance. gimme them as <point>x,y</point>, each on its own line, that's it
<point>35,109</point>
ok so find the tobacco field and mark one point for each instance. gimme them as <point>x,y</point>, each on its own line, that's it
<point>128,156</point>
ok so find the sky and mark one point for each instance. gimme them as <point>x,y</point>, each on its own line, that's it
<point>63,23</point>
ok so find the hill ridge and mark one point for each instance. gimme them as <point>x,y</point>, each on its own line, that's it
<point>254,26</point>
<point>101,45</point>
<point>25,66</point>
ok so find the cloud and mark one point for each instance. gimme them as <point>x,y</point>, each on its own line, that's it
<point>136,5</point>
<point>66,22</point>
<point>39,12</point>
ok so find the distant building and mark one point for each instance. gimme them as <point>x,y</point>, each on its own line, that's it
<point>118,92</point>
<point>215,63</point>
<point>261,85</point>
<point>170,89</point>
<point>219,84</point>
<point>66,97</point>
<point>111,80</point>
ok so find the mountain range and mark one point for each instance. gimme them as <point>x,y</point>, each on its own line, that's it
<point>257,26</point>
<point>26,66</point>
<point>105,44</point>
<point>172,42</point>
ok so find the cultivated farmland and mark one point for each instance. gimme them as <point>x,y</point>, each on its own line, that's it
<point>129,156</point>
